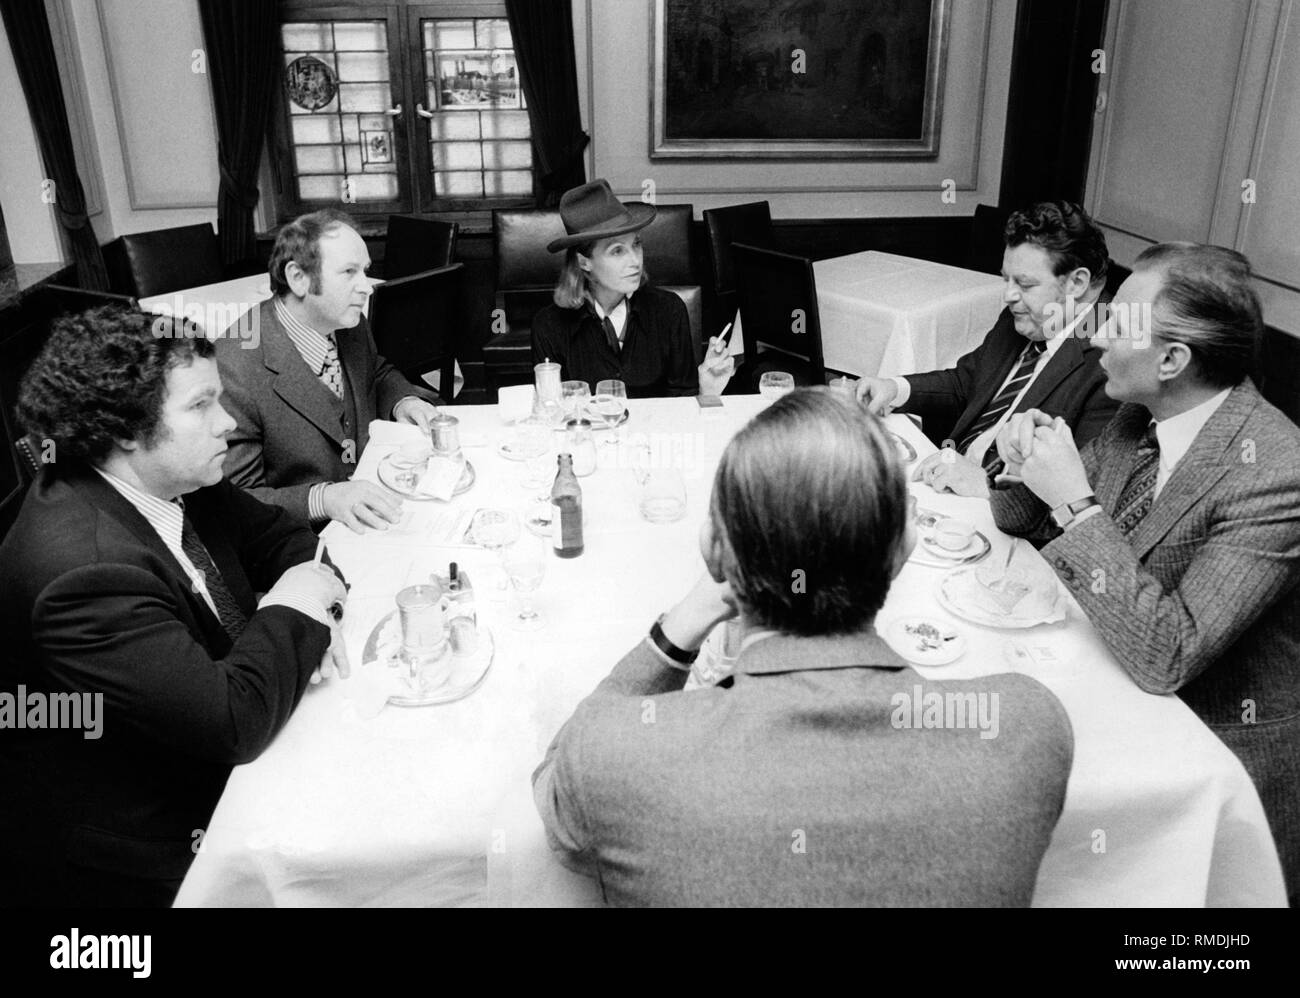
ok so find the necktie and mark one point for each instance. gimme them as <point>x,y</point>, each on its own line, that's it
<point>611,335</point>
<point>1023,373</point>
<point>1140,491</point>
<point>331,371</point>
<point>228,611</point>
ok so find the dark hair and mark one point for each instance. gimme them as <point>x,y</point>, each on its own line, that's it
<point>814,485</point>
<point>1207,302</point>
<point>102,377</point>
<point>1065,232</point>
<point>299,242</point>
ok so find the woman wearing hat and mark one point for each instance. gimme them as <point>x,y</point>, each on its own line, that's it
<point>606,322</point>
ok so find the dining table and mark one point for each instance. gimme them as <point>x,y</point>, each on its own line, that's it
<point>362,802</point>
<point>883,314</point>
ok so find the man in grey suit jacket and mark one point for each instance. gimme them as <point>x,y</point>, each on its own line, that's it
<point>812,775</point>
<point>305,392</point>
<point>1038,355</point>
<point>1178,529</point>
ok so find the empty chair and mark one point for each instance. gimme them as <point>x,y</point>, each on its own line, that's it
<point>750,224</point>
<point>414,245</point>
<point>416,324</point>
<point>987,241</point>
<point>778,307</point>
<point>526,276</point>
<point>153,263</point>
<point>666,243</point>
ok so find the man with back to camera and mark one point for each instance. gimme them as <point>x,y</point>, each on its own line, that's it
<point>1037,355</point>
<point>701,798</point>
<point>130,576</point>
<point>1178,528</point>
<point>303,396</point>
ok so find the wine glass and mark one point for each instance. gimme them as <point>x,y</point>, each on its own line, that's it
<point>533,442</point>
<point>773,384</point>
<point>493,529</point>
<point>525,564</point>
<point>610,402</point>
<point>574,396</point>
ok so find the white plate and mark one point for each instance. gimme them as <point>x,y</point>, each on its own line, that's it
<point>958,595</point>
<point>387,679</point>
<point>388,473</point>
<point>511,453</point>
<point>925,640</point>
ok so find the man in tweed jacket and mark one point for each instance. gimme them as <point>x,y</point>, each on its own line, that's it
<point>803,779</point>
<point>1178,528</point>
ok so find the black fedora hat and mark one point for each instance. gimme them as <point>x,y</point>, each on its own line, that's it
<point>591,212</point>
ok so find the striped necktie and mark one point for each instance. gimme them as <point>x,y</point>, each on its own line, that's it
<point>1140,491</point>
<point>331,373</point>
<point>1022,375</point>
<point>228,611</point>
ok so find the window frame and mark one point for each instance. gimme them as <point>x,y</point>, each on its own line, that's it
<point>410,131</point>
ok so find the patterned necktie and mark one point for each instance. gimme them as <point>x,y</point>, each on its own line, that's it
<point>1140,491</point>
<point>228,611</point>
<point>1022,375</point>
<point>331,371</point>
<point>611,335</point>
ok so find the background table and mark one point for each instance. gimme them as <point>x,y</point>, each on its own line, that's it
<point>433,805</point>
<point>884,314</point>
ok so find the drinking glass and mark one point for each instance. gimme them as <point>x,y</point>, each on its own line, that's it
<point>773,384</point>
<point>494,529</point>
<point>609,403</point>
<point>574,396</point>
<point>662,496</point>
<point>532,440</point>
<point>525,564</point>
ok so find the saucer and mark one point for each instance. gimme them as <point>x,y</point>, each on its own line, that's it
<point>924,640</point>
<point>959,594</point>
<point>598,421</point>
<point>940,557</point>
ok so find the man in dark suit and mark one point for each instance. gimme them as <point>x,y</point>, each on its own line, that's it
<point>1037,355</point>
<point>127,585</point>
<point>802,779</point>
<point>304,390</point>
<point>1178,528</point>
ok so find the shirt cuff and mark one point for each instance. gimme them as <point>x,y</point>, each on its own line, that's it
<point>316,502</point>
<point>302,604</point>
<point>659,653</point>
<point>903,394</point>
<point>1088,513</point>
<point>399,402</point>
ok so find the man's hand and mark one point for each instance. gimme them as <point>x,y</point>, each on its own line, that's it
<point>314,583</point>
<point>415,411</point>
<point>717,368</point>
<point>688,623</point>
<point>336,659</point>
<point>1053,471</point>
<point>877,394</point>
<point>359,505</point>
<point>948,471</point>
<point>1015,441</point>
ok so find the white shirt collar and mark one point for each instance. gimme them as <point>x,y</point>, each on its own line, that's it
<point>617,315</point>
<point>1177,433</point>
<point>1054,342</point>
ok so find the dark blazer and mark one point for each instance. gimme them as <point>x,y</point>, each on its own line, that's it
<point>1203,598</point>
<point>1072,386</point>
<point>792,784</point>
<point>658,355</point>
<point>292,431</point>
<point>92,601</point>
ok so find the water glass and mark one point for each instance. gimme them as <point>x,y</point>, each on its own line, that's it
<point>609,402</point>
<point>773,384</point>
<point>661,496</point>
<point>574,396</point>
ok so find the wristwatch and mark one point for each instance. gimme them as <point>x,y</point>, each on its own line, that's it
<point>665,645</point>
<point>1065,515</point>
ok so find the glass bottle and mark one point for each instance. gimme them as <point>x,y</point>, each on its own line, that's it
<point>566,515</point>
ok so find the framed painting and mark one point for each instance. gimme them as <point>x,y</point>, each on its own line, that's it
<point>797,79</point>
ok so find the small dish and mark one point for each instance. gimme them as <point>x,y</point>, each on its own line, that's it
<point>961,594</point>
<point>906,450</point>
<point>389,475</point>
<point>925,640</point>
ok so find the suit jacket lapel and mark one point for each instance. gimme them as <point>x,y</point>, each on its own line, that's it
<point>1005,347</point>
<point>1068,358</point>
<point>295,383</point>
<point>1204,464</point>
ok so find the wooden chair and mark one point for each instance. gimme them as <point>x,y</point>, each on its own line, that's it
<point>416,322</point>
<point>414,245</point>
<point>777,295</point>
<point>143,264</point>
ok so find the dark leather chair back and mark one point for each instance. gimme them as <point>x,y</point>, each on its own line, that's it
<point>667,245</point>
<point>520,239</point>
<point>414,245</point>
<point>153,263</point>
<point>416,324</point>
<point>1277,370</point>
<point>692,296</point>
<point>1116,274</point>
<point>778,306</point>
<point>738,223</point>
<point>986,239</point>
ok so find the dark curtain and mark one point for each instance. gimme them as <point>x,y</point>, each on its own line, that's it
<point>29,39</point>
<point>241,38</point>
<point>543,35</point>
<point>1050,104</point>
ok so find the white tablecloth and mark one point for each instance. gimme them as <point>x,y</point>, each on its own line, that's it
<point>433,805</point>
<point>884,314</point>
<point>214,308</point>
